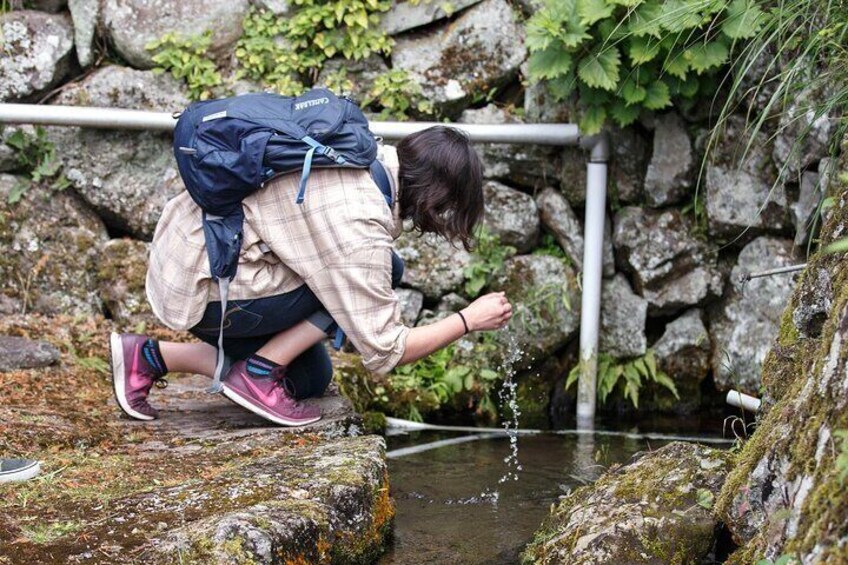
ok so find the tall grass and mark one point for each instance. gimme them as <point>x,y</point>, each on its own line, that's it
<point>801,47</point>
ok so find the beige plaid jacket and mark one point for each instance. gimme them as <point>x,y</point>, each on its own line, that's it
<point>338,242</point>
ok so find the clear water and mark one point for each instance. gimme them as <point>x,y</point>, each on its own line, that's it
<point>442,517</point>
<point>510,412</point>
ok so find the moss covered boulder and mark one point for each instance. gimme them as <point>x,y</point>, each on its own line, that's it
<point>788,495</point>
<point>121,275</point>
<point>51,242</point>
<point>657,509</point>
<point>546,307</point>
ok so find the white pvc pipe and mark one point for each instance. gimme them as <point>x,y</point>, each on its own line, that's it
<point>400,425</point>
<point>590,309</point>
<point>743,401</point>
<point>86,116</point>
<point>422,447</point>
<point>117,118</point>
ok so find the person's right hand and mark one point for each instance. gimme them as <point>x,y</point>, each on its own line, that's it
<point>489,312</point>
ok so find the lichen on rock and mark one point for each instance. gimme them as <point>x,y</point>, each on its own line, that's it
<point>35,52</point>
<point>787,494</point>
<point>126,176</point>
<point>52,242</point>
<point>656,509</point>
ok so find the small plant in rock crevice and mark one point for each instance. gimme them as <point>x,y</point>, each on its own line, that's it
<point>187,60</point>
<point>36,158</point>
<point>281,51</point>
<point>396,94</point>
<point>551,248</point>
<point>626,376</point>
<point>487,260</point>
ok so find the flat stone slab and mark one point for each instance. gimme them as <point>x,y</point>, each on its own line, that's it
<point>208,482</point>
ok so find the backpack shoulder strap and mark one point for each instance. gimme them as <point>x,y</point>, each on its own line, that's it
<point>382,179</point>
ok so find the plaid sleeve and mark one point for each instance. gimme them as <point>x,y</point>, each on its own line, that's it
<point>357,291</point>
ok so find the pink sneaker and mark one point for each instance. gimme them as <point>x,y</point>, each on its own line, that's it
<point>132,376</point>
<point>267,397</point>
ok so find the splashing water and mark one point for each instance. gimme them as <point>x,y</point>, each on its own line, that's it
<point>508,396</point>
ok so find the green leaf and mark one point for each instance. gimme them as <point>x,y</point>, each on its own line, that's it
<point>839,246</point>
<point>680,15</point>
<point>676,65</point>
<point>626,3</point>
<point>705,498</point>
<point>600,68</point>
<point>489,375</point>
<point>18,190</point>
<point>591,11</point>
<point>665,381</point>
<point>650,361</point>
<point>642,49</point>
<point>17,140</point>
<point>549,63</point>
<point>743,20</point>
<point>687,88</point>
<point>645,20</point>
<point>705,56</point>
<point>573,376</point>
<point>624,114</point>
<point>562,87</point>
<point>592,120</point>
<point>658,96</point>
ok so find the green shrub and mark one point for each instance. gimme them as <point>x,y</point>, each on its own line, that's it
<point>626,376</point>
<point>281,51</point>
<point>438,376</point>
<point>396,94</point>
<point>36,159</point>
<point>186,59</point>
<point>623,57</point>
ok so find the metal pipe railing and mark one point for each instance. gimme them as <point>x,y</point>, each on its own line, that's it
<point>538,134</point>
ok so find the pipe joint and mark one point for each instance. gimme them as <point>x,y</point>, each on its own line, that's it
<point>598,147</point>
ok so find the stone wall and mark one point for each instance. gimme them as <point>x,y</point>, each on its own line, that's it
<point>780,496</point>
<point>672,267</point>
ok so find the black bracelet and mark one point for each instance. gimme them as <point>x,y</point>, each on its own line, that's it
<point>464,323</point>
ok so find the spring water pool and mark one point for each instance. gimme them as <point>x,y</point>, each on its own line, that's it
<point>452,509</point>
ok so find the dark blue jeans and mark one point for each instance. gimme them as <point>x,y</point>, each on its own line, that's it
<point>250,324</point>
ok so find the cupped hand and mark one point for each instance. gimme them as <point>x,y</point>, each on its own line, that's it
<point>489,312</point>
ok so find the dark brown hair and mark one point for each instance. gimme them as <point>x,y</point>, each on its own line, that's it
<point>441,183</point>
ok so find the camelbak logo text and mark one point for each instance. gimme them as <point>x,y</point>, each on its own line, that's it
<point>311,103</point>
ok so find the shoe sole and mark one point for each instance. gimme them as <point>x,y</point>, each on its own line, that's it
<point>117,351</point>
<point>23,474</point>
<point>233,395</point>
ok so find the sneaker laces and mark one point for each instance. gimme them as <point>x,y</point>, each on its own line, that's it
<point>285,383</point>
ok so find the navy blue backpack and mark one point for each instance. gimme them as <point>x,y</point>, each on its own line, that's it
<point>227,149</point>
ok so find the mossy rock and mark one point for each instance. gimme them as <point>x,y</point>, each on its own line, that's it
<point>787,495</point>
<point>52,244</point>
<point>546,307</point>
<point>121,278</point>
<point>657,510</point>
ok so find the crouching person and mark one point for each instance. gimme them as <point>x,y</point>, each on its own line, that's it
<point>304,271</point>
